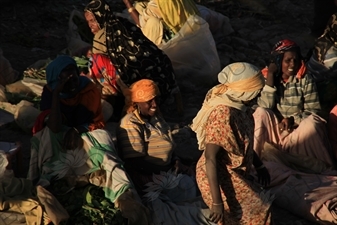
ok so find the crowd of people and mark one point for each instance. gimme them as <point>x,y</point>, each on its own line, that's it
<point>263,135</point>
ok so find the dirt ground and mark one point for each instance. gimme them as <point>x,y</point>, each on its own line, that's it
<point>35,29</point>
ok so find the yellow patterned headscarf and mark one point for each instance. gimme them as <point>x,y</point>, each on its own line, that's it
<point>239,82</point>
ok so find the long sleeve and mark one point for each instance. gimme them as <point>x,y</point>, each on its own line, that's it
<point>267,98</point>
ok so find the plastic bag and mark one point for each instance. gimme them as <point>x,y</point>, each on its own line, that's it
<point>193,53</point>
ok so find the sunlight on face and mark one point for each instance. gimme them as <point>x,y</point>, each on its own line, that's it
<point>148,108</point>
<point>92,22</point>
<point>290,64</point>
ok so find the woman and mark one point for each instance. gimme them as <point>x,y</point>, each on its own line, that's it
<point>225,128</point>
<point>160,20</point>
<point>290,102</point>
<point>132,54</point>
<point>144,138</point>
<point>322,63</point>
<point>69,142</point>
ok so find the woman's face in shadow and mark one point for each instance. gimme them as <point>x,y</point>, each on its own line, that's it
<point>92,22</point>
<point>70,73</point>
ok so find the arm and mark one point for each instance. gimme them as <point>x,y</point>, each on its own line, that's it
<point>267,97</point>
<point>133,12</point>
<point>262,172</point>
<point>211,152</point>
<point>55,117</point>
<point>217,208</point>
<point>54,121</point>
<point>310,96</point>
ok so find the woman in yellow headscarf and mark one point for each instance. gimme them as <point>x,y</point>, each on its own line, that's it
<point>161,19</point>
<point>225,131</point>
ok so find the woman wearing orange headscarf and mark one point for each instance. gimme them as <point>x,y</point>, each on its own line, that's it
<point>144,138</point>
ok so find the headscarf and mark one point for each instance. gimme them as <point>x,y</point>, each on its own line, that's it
<point>239,82</point>
<point>134,56</point>
<point>326,40</point>
<point>142,91</point>
<point>277,55</point>
<point>55,68</point>
<point>176,12</point>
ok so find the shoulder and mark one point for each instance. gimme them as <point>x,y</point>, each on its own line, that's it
<point>221,111</point>
<point>307,78</point>
<point>129,121</point>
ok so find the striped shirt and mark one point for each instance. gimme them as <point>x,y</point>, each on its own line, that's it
<point>296,97</point>
<point>149,139</point>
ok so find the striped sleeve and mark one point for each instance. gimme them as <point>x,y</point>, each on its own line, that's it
<point>267,97</point>
<point>130,140</point>
<point>310,96</point>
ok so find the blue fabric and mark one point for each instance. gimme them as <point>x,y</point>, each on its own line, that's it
<point>55,68</point>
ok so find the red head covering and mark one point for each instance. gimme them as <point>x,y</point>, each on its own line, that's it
<point>284,45</point>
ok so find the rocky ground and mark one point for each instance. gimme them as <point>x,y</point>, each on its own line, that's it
<point>35,29</point>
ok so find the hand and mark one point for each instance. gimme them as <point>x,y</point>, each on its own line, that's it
<point>217,214</point>
<point>272,68</point>
<point>59,87</point>
<point>72,140</point>
<point>263,176</point>
<point>287,124</point>
<point>272,71</point>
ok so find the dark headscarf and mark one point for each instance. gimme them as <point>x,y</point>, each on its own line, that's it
<point>328,38</point>
<point>55,68</point>
<point>134,56</point>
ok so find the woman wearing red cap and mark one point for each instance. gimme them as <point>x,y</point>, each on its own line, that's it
<point>289,118</point>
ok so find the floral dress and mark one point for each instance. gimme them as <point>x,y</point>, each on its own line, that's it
<point>233,130</point>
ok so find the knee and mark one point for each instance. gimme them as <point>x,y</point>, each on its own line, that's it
<point>260,111</point>
<point>313,124</point>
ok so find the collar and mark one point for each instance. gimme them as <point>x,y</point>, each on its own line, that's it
<point>291,79</point>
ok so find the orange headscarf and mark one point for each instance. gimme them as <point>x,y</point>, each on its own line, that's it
<point>142,91</point>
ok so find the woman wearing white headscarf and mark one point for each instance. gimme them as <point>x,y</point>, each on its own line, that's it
<point>225,131</point>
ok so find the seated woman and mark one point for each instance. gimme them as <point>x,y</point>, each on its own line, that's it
<point>225,128</point>
<point>160,20</point>
<point>290,102</point>
<point>69,141</point>
<point>322,63</point>
<point>144,138</point>
<point>147,147</point>
<point>131,53</point>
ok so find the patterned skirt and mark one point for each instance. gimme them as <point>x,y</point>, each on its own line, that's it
<point>244,202</point>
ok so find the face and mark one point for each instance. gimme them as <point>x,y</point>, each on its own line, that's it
<point>290,64</point>
<point>148,108</point>
<point>92,22</point>
<point>70,73</point>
